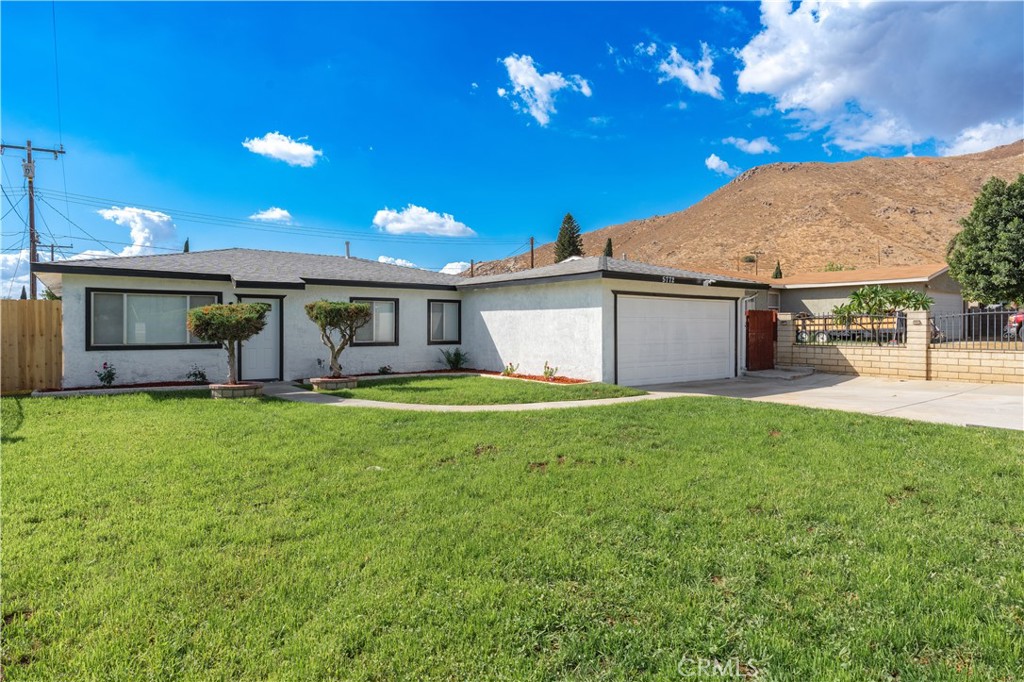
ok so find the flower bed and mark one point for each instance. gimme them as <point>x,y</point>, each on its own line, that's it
<point>481,372</point>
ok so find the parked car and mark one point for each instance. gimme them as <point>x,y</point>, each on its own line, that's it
<point>829,329</point>
<point>1014,328</point>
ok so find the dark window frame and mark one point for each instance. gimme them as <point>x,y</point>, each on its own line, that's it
<point>90,346</point>
<point>457,341</point>
<point>371,299</point>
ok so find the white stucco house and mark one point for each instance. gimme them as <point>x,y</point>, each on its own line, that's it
<point>594,318</point>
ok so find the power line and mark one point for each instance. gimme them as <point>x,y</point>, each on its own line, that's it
<point>240,223</point>
<point>60,115</point>
<point>94,239</point>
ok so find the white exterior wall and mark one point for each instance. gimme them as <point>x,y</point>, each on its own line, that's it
<point>637,287</point>
<point>302,345</point>
<point>528,325</point>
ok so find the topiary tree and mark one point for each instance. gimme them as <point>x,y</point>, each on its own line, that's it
<point>338,317</point>
<point>986,257</point>
<point>778,271</point>
<point>570,241</point>
<point>228,325</point>
<point>608,248</point>
<point>876,302</point>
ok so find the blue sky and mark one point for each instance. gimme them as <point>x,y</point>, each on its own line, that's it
<point>440,133</point>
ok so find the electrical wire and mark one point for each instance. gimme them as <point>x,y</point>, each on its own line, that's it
<point>60,114</point>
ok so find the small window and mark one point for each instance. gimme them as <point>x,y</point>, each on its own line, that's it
<point>136,319</point>
<point>382,329</point>
<point>445,323</point>
<point>773,300</point>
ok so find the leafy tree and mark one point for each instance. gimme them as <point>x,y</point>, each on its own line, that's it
<point>608,248</point>
<point>338,317</point>
<point>778,271</point>
<point>50,296</point>
<point>570,241</point>
<point>987,256</point>
<point>876,302</point>
<point>228,325</point>
<point>185,250</point>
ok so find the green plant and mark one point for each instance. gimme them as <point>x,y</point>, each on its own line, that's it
<point>549,371</point>
<point>455,358</point>
<point>385,369</point>
<point>986,257</point>
<point>750,258</point>
<point>837,267</point>
<point>570,241</point>
<point>228,325</point>
<point>777,274</point>
<point>509,370</point>
<point>608,248</point>
<point>875,302</point>
<point>107,374</point>
<point>341,318</point>
<point>197,374</point>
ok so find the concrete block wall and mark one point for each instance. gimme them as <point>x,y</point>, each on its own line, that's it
<point>914,360</point>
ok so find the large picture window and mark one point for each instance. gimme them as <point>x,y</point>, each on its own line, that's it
<point>142,319</point>
<point>382,329</point>
<point>444,322</point>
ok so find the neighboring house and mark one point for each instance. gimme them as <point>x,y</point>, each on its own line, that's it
<point>594,318</point>
<point>817,293</point>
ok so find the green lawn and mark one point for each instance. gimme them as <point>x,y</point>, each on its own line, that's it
<point>475,390</point>
<point>172,537</point>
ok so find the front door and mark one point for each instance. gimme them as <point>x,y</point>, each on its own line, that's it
<point>760,340</point>
<point>260,357</point>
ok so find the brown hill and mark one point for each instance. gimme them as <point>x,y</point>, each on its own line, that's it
<point>862,213</point>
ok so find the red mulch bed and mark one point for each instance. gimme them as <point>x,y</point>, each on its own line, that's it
<point>531,377</point>
<point>152,384</point>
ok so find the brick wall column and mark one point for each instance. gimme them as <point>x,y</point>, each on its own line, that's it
<point>787,337</point>
<point>918,336</point>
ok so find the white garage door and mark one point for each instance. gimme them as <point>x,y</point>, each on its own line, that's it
<point>661,340</point>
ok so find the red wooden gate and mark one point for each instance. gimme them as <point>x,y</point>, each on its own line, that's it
<point>760,339</point>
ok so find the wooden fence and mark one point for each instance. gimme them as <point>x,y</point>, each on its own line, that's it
<point>30,345</point>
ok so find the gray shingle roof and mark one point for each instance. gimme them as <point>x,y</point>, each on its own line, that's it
<point>599,264</point>
<point>253,265</point>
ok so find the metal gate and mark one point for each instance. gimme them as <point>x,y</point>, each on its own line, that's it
<point>760,339</point>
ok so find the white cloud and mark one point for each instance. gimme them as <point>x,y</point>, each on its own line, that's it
<point>454,268</point>
<point>758,146</point>
<point>649,49</point>
<point>536,91</point>
<point>418,220</point>
<point>984,136</point>
<point>397,261</point>
<point>283,148</point>
<point>872,76</point>
<point>13,273</point>
<point>719,166</point>
<point>272,215</point>
<point>762,111</point>
<point>474,85</point>
<point>148,228</point>
<point>696,76</point>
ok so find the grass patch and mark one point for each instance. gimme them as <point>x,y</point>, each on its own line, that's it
<point>170,536</point>
<point>474,390</point>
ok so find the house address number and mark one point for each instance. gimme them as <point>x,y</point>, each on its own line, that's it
<point>668,280</point>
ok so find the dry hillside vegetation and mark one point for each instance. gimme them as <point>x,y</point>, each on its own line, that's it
<point>860,213</point>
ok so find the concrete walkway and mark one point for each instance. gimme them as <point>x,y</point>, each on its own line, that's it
<point>947,402</point>
<point>998,405</point>
<point>288,391</point>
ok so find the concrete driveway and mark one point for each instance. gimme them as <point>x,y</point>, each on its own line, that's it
<point>999,405</point>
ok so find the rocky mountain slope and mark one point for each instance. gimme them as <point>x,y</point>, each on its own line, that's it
<point>862,213</point>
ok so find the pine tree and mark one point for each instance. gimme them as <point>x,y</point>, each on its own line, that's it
<point>185,250</point>
<point>24,294</point>
<point>778,271</point>
<point>569,242</point>
<point>608,248</point>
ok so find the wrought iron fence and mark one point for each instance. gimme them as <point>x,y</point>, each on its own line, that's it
<point>979,330</point>
<point>885,330</point>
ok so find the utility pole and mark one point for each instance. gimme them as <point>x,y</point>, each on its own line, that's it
<point>29,167</point>
<point>57,246</point>
<point>531,253</point>
<point>755,254</point>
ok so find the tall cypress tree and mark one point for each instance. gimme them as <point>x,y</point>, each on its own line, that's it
<point>608,248</point>
<point>778,271</point>
<point>185,250</point>
<point>569,242</point>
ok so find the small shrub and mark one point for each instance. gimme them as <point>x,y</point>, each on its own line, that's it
<point>107,374</point>
<point>228,324</point>
<point>549,371</point>
<point>197,375</point>
<point>749,259</point>
<point>455,358</point>
<point>509,370</point>
<point>341,318</point>
<point>385,369</point>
